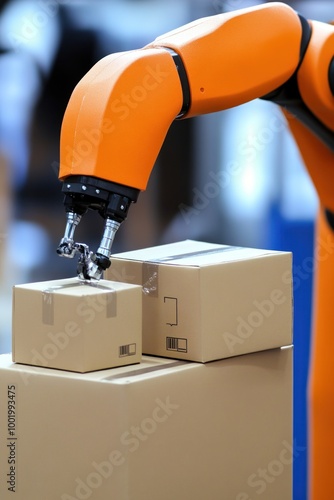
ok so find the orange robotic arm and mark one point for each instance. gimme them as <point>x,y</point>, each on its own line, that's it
<point>119,113</point>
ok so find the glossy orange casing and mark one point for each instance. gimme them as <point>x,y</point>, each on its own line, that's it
<point>235,57</point>
<point>118,116</point>
<point>313,81</point>
<point>119,113</point>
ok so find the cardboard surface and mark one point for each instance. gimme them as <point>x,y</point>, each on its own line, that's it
<point>203,301</point>
<point>80,326</point>
<point>163,429</point>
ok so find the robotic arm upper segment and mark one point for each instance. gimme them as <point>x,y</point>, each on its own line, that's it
<point>118,116</point>
<point>120,112</point>
<point>234,58</point>
<point>110,139</point>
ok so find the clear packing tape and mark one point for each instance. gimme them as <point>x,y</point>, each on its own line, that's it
<point>48,297</point>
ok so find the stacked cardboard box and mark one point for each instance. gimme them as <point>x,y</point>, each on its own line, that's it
<point>163,429</point>
<point>77,325</point>
<point>208,414</point>
<point>203,301</point>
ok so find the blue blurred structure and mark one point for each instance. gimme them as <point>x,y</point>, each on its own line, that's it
<point>279,204</point>
<point>265,200</point>
<point>297,236</point>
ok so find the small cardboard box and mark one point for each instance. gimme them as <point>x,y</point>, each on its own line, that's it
<point>203,301</point>
<point>163,429</point>
<point>74,325</point>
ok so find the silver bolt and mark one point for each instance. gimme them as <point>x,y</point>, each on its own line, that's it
<point>97,191</point>
<point>122,207</point>
<point>83,188</point>
<point>68,186</point>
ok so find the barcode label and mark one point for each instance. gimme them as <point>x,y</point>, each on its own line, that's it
<point>127,350</point>
<point>176,344</point>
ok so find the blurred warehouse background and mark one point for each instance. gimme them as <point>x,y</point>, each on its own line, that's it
<point>233,177</point>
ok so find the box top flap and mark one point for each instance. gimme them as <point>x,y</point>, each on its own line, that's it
<point>194,253</point>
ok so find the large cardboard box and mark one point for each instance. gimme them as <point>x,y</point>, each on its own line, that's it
<point>205,301</point>
<point>74,325</point>
<point>163,429</point>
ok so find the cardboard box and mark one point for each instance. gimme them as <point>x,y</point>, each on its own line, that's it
<point>163,429</point>
<point>203,301</point>
<point>74,325</point>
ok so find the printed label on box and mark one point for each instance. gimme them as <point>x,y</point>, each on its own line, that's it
<point>127,350</point>
<point>171,311</point>
<point>176,344</point>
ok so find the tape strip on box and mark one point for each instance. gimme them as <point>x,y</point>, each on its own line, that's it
<point>48,300</point>
<point>198,253</point>
<point>150,269</point>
